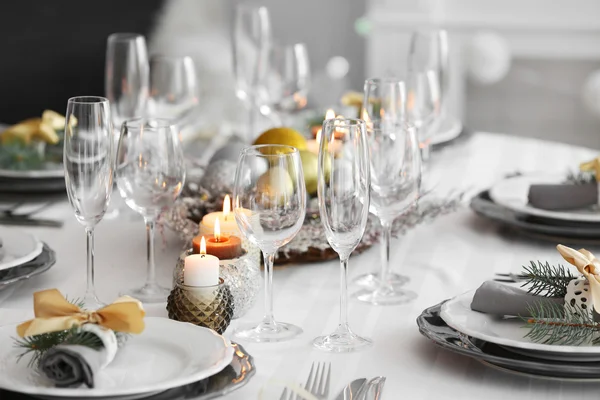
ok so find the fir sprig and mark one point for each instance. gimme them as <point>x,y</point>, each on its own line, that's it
<point>543,279</point>
<point>555,323</point>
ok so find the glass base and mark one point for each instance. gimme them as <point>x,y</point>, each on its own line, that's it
<point>91,302</point>
<point>343,340</point>
<point>386,296</point>
<point>149,293</point>
<point>267,332</point>
<point>371,279</point>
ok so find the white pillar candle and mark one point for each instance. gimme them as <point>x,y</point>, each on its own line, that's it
<point>201,269</point>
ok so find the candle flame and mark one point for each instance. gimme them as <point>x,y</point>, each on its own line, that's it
<point>203,246</point>
<point>330,114</point>
<point>226,206</point>
<point>217,231</point>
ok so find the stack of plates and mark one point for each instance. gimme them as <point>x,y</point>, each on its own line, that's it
<point>500,342</point>
<point>21,257</point>
<point>32,182</point>
<point>169,360</point>
<point>507,203</point>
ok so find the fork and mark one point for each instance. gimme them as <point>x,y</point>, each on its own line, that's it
<point>11,211</point>
<point>317,383</point>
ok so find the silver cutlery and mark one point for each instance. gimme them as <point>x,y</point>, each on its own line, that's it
<point>350,392</point>
<point>509,277</point>
<point>317,383</point>
<point>372,389</point>
<point>26,221</point>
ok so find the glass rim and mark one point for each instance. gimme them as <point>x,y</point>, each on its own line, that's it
<point>162,123</point>
<point>124,36</point>
<point>188,287</point>
<point>87,100</point>
<point>256,148</point>
<point>385,80</point>
<point>404,123</point>
<point>344,122</point>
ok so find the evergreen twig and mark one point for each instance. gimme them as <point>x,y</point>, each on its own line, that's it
<point>547,280</point>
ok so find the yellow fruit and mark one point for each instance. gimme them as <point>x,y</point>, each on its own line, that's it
<point>309,167</point>
<point>28,130</point>
<point>285,136</point>
<point>54,119</point>
<point>276,186</point>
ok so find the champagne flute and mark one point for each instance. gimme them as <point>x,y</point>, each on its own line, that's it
<point>150,173</point>
<point>384,107</point>
<point>251,44</point>
<point>427,79</point>
<point>343,189</point>
<point>173,87</point>
<point>395,176</point>
<point>270,205</point>
<point>88,163</point>
<point>288,79</point>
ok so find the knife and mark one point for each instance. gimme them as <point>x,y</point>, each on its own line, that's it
<point>351,390</point>
<point>26,221</point>
<point>372,389</point>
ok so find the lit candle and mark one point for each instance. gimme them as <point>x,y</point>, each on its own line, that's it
<point>226,219</point>
<point>313,145</point>
<point>201,269</point>
<point>221,246</point>
<point>330,114</point>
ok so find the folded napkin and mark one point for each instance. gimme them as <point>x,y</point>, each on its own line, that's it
<point>72,365</point>
<point>563,197</point>
<point>504,300</point>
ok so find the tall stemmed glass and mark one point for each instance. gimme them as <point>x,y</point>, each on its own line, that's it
<point>173,87</point>
<point>127,75</point>
<point>150,173</point>
<point>343,189</point>
<point>395,177</point>
<point>288,79</point>
<point>270,205</point>
<point>251,45</point>
<point>427,82</point>
<point>384,100</point>
<point>88,163</point>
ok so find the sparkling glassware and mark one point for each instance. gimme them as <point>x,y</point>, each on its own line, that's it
<point>384,100</point>
<point>269,205</point>
<point>395,176</point>
<point>288,79</point>
<point>251,44</point>
<point>88,163</point>
<point>173,87</point>
<point>343,189</point>
<point>150,173</point>
<point>427,76</point>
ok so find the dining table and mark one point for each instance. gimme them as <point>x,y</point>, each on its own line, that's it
<point>443,258</point>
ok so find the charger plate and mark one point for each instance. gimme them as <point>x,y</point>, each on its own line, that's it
<point>18,247</point>
<point>168,354</point>
<point>432,326</point>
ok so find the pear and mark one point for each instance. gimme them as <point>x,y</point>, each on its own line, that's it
<point>276,185</point>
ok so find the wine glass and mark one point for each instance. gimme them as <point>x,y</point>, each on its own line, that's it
<point>251,44</point>
<point>395,176</point>
<point>384,107</point>
<point>427,75</point>
<point>288,79</point>
<point>343,189</point>
<point>173,87</point>
<point>126,76</point>
<point>150,173</point>
<point>88,163</point>
<point>270,205</point>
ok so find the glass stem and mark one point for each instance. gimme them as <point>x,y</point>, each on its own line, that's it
<point>252,118</point>
<point>268,319</point>
<point>344,293</point>
<point>386,234</point>
<point>151,273</point>
<point>90,290</point>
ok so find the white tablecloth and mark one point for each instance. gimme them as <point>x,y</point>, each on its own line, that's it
<point>449,256</point>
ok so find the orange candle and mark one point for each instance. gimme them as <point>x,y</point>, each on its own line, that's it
<point>221,246</point>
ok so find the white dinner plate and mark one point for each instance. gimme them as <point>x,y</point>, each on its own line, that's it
<point>508,332</point>
<point>167,354</point>
<point>18,247</point>
<point>450,129</point>
<point>513,193</point>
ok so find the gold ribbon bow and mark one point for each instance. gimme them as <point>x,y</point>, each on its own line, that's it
<point>593,165</point>
<point>54,313</point>
<point>588,265</point>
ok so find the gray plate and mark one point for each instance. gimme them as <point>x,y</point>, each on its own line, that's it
<point>233,377</point>
<point>40,264</point>
<point>432,326</point>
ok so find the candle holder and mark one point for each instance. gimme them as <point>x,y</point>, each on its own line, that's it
<point>241,275</point>
<point>207,306</point>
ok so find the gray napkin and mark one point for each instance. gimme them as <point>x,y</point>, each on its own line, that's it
<point>499,299</point>
<point>72,365</point>
<point>563,197</point>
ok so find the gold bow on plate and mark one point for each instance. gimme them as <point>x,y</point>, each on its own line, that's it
<point>54,313</point>
<point>593,165</point>
<point>588,265</point>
